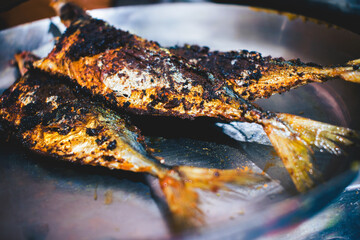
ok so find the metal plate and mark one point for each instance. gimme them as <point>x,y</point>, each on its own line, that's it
<point>41,198</point>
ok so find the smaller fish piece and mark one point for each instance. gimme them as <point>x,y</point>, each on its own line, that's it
<point>50,118</point>
<point>253,76</point>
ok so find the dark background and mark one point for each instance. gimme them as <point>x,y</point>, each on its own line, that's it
<point>343,13</point>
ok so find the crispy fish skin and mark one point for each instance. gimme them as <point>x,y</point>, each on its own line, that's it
<point>253,76</point>
<point>137,75</point>
<point>49,119</point>
<point>54,119</point>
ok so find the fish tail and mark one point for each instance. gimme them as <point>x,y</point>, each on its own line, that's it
<point>179,186</point>
<point>350,72</point>
<point>295,139</point>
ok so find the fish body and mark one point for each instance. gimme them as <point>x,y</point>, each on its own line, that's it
<point>55,119</point>
<point>50,119</point>
<point>139,76</point>
<point>253,76</point>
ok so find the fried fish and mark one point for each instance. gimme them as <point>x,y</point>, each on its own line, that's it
<point>53,119</point>
<point>141,77</point>
<point>253,76</point>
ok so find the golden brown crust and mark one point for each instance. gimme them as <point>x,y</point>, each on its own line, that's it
<point>53,120</point>
<point>140,76</point>
<point>253,76</point>
<point>132,73</point>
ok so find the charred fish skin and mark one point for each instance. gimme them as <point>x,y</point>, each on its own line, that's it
<point>253,76</point>
<point>243,70</point>
<point>55,119</point>
<point>50,119</point>
<point>139,76</point>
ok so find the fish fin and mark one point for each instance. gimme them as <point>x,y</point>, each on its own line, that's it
<point>352,72</point>
<point>24,60</point>
<point>180,183</point>
<point>295,139</point>
<point>68,11</point>
<point>355,62</point>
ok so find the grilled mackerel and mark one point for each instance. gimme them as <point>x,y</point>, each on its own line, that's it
<point>138,75</point>
<point>54,119</point>
<point>253,76</point>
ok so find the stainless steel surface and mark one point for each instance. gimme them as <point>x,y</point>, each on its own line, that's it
<point>41,198</point>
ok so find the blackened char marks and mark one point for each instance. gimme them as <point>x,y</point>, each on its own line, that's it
<point>298,63</point>
<point>243,64</point>
<point>126,104</point>
<point>62,40</point>
<point>95,37</point>
<point>199,76</point>
<point>9,98</point>
<point>48,118</point>
<point>172,103</point>
<point>110,158</point>
<point>61,118</point>
<point>32,108</point>
<point>186,105</point>
<point>111,98</point>
<point>94,131</point>
<point>29,122</point>
<point>62,129</point>
<point>111,145</point>
<point>101,140</point>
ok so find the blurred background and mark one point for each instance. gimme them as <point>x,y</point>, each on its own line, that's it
<point>343,13</point>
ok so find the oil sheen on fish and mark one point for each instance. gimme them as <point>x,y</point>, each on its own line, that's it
<point>139,76</point>
<point>54,119</point>
<point>253,76</point>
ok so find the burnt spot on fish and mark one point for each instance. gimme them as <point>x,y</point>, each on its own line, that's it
<point>48,118</point>
<point>186,104</point>
<point>151,106</point>
<point>111,145</point>
<point>64,111</point>
<point>110,97</point>
<point>300,74</point>
<point>109,158</point>
<point>201,105</point>
<point>29,122</point>
<point>94,131</point>
<point>32,108</point>
<point>83,111</point>
<point>172,103</point>
<point>162,96</point>
<point>101,140</point>
<point>243,65</point>
<point>126,104</point>
<point>9,97</point>
<point>63,129</point>
<point>95,37</point>
<point>62,40</point>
